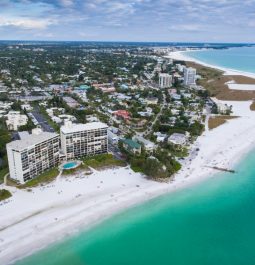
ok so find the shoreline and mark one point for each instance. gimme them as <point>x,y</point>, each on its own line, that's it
<point>42,217</point>
<point>182,56</point>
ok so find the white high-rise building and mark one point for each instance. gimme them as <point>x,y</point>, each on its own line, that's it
<point>78,140</point>
<point>32,155</point>
<point>165,80</point>
<point>189,76</point>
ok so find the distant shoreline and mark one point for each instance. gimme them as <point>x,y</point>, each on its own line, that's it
<point>182,56</point>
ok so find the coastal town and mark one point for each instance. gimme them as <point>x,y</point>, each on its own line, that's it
<point>127,132</point>
<point>88,130</point>
<point>133,103</point>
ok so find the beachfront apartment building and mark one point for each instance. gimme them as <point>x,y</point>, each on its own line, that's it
<point>189,76</point>
<point>78,140</point>
<point>165,80</point>
<point>32,155</point>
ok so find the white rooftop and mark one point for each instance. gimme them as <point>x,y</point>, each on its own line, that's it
<point>143,140</point>
<point>23,135</point>
<point>31,140</point>
<point>71,128</point>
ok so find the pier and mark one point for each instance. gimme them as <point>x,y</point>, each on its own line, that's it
<point>223,169</point>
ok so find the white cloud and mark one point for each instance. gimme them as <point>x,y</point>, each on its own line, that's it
<point>26,23</point>
<point>186,27</point>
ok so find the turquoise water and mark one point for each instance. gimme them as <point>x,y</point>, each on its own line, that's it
<point>241,59</point>
<point>212,223</point>
<point>70,165</point>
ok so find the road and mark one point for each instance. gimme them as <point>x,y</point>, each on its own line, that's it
<point>148,131</point>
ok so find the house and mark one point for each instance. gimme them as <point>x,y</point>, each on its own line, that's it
<point>105,88</point>
<point>139,123</point>
<point>15,120</point>
<point>172,91</point>
<point>176,96</point>
<point>26,107</point>
<point>178,139</point>
<point>112,137</point>
<point>151,101</point>
<point>148,145</point>
<point>56,119</point>
<point>124,114</point>
<point>71,102</point>
<point>91,118</point>
<point>132,146</point>
<point>160,137</point>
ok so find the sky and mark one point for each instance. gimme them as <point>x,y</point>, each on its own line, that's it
<point>128,20</point>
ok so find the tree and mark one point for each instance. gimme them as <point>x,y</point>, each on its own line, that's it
<point>152,167</point>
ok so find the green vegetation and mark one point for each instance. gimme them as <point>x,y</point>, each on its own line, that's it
<point>103,161</point>
<point>252,106</point>
<point>44,178</point>
<point>162,165</point>
<point>154,168</point>
<point>5,138</point>
<point>3,172</point>
<point>175,150</point>
<point>74,170</point>
<point>4,194</point>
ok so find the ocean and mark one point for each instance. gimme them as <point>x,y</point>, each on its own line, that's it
<point>210,223</point>
<point>239,58</point>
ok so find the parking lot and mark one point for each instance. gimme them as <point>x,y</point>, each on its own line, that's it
<point>42,122</point>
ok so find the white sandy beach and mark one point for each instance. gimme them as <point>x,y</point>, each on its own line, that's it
<point>245,87</point>
<point>32,220</point>
<point>183,56</point>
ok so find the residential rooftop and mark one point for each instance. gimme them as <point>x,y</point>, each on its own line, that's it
<point>131,143</point>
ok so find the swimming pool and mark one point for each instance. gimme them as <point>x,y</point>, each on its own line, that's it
<point>70,165</point>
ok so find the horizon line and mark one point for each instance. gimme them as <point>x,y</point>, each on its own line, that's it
<point>126,41</point>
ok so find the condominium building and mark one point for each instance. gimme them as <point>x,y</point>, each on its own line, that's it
<point>189,76</point>
<point>32,155</point>
<point>15,120</point>
<point>78,140</point>
<point>165,80</point>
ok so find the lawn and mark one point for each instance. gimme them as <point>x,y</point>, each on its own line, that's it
<point>82,167</point>
<point>217,121</point>
<point>46,177</point>
<point>183,152</point>
<point>3,172</point>
<point>103,161</point>
<point>252,106</point>
<point>4,194</point>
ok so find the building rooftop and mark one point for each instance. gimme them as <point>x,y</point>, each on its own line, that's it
<point>23,135</point>
<point>32,139</point>
<point>71,128</point>
<point>131,143</point>
<point>143,140</point>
